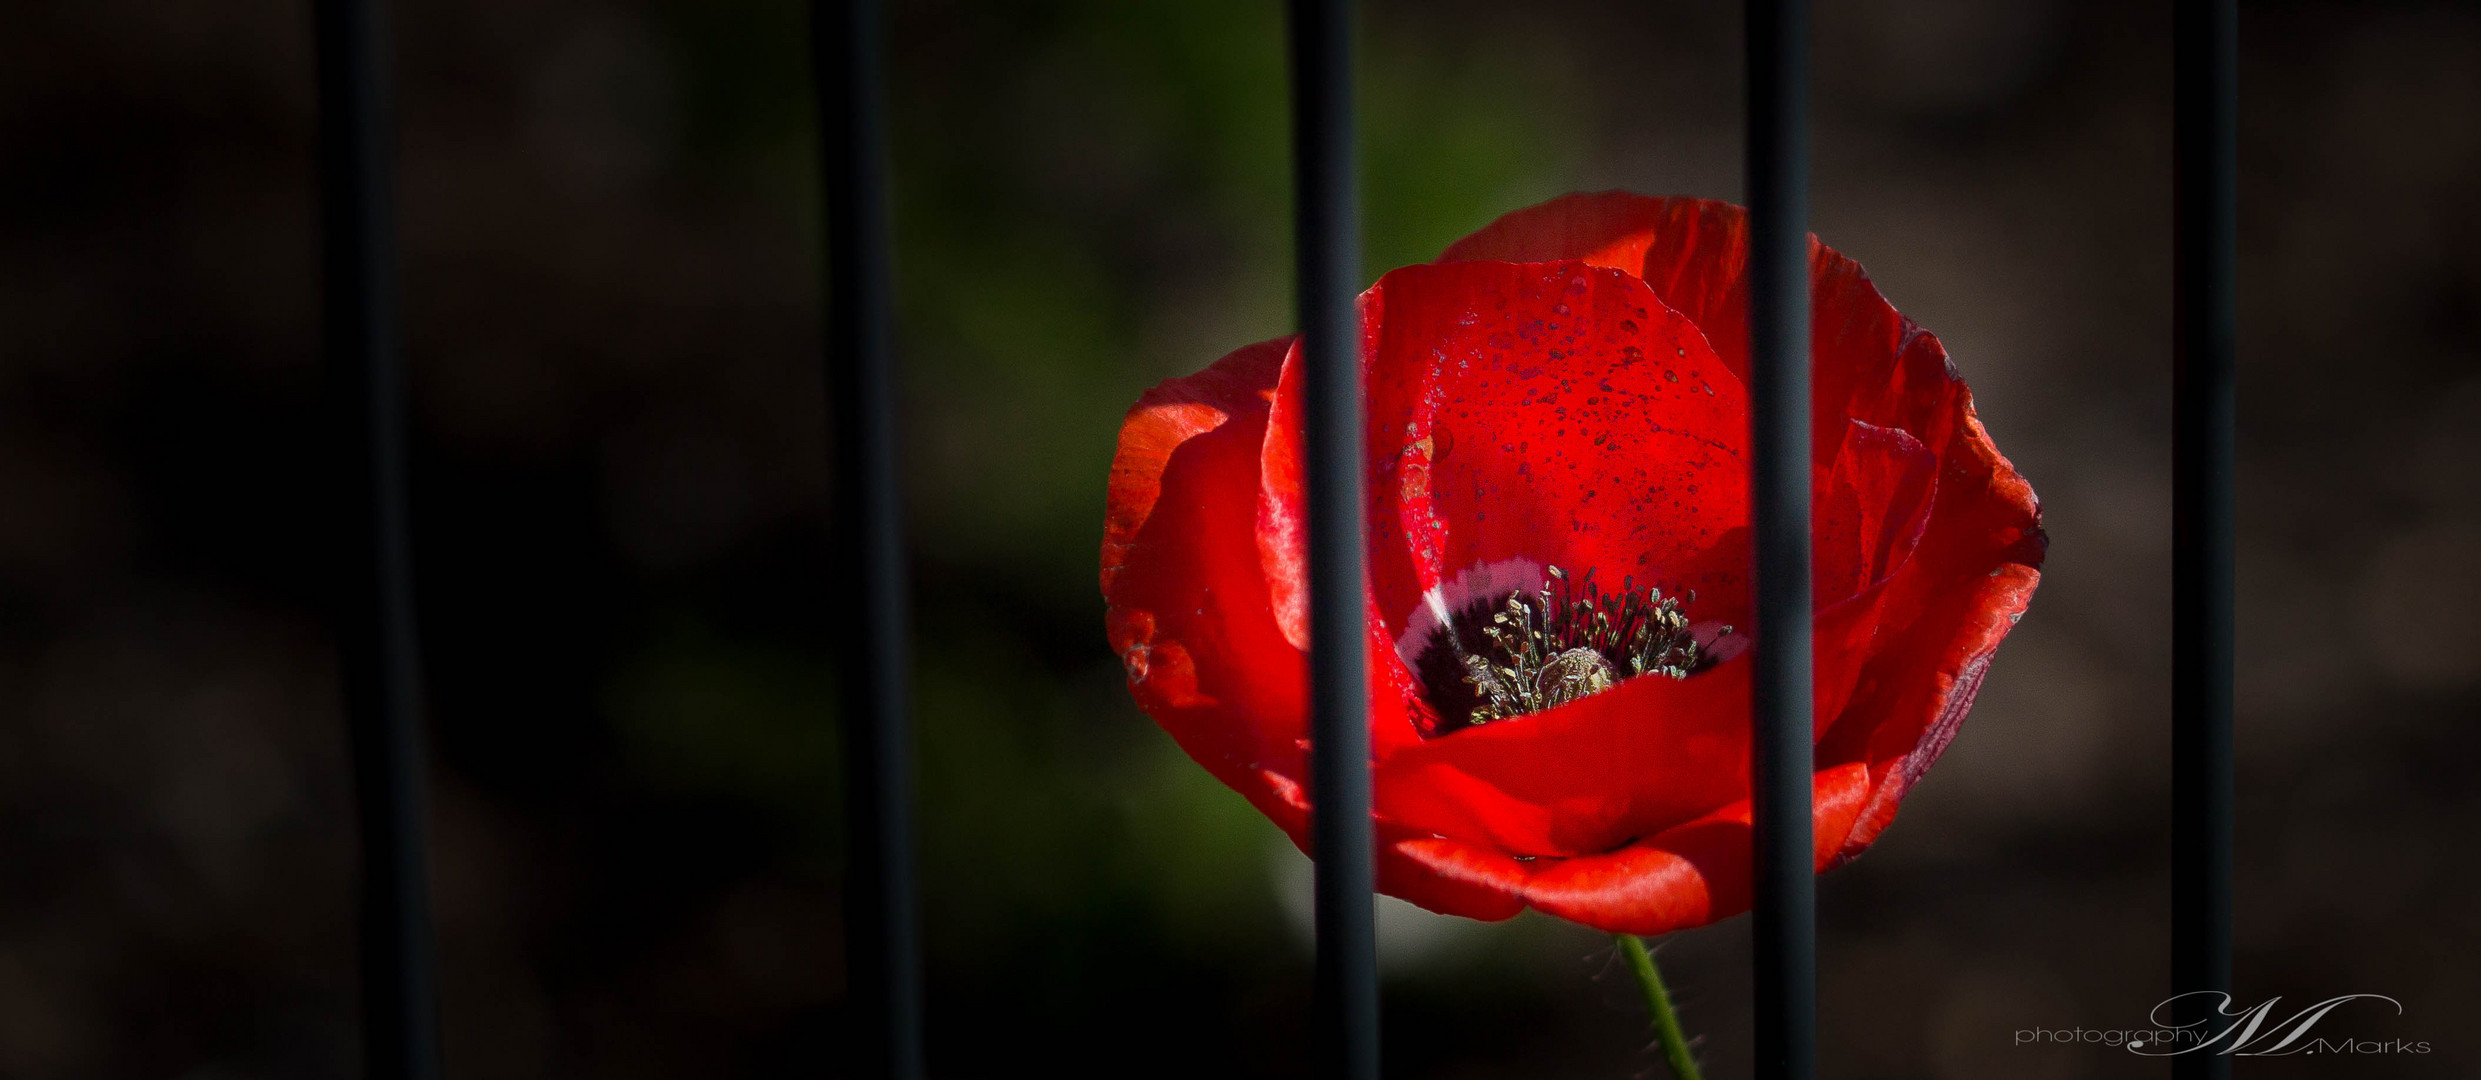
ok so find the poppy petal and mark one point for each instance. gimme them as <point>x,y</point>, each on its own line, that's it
<point>1188,609</point>
<point>1553,413</point>
<point>1870,363</point>
<point>1654,752</point>
<point>1688,875</point>
<point>1612,453</point>
<point>1282,531</point>
<point>1981,550</point>
<point>1947,609</point>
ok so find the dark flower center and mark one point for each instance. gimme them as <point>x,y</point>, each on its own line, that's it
<point>1519,651</point>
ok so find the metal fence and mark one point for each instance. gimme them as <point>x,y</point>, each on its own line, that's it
<point>379,644</point>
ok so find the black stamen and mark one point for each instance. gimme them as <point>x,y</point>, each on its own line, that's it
<point>1541,649</point>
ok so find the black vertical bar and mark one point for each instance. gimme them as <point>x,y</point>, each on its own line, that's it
<point>2206,223</point>
<point>1328,245</point>
<point>375,620</point>
<point>884,973</point>
<point>1782,752</point>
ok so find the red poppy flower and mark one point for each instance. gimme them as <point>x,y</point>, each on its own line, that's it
<point>1558,545</point>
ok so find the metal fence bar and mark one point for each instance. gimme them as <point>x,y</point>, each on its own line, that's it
<point>2206,226</point>
<point>883,958</point>
<point>374,572</point>
<point>1782,751</point>
<point>1328,245</point>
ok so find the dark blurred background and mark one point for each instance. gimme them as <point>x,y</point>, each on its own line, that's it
<point>610,233</point>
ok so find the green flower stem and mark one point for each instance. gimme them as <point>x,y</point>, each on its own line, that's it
<point>1658,1004</point>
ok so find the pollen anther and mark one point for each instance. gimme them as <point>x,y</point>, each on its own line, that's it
<point>1569,640</point>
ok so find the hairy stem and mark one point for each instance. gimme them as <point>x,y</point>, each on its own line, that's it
<point>1658,1006</point>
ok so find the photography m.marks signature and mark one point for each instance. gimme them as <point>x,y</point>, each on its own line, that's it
<point>2254,1031</point>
